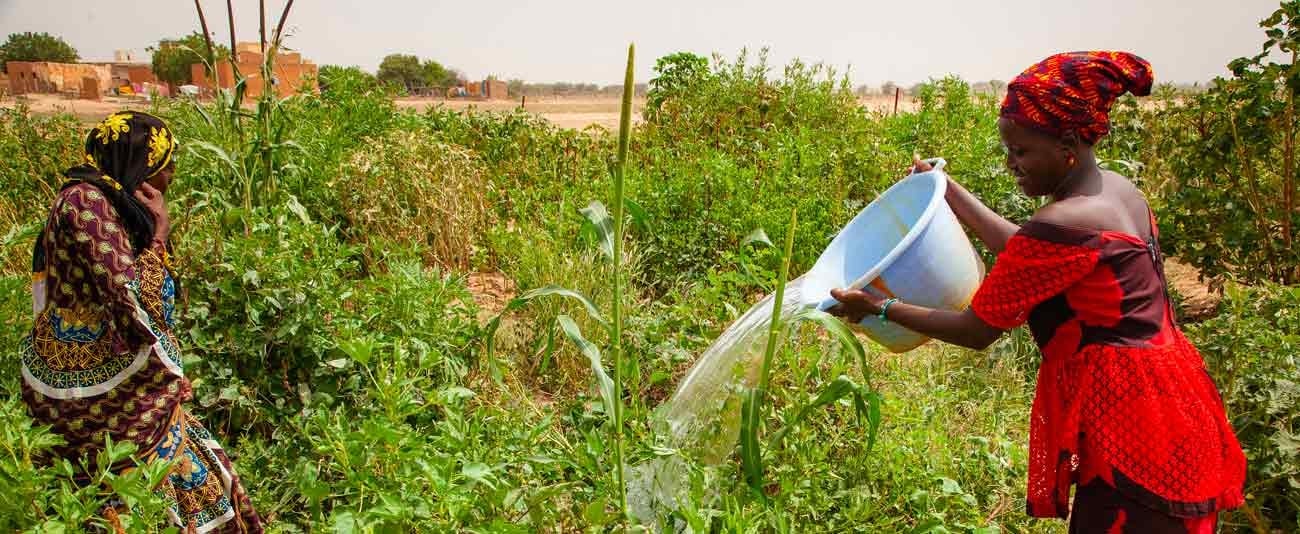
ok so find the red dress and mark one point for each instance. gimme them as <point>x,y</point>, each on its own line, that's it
<point>1123,402</point>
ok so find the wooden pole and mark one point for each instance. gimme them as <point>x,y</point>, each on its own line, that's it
<point>279,27</point>
<point>897,91</point>
<point>203,23</point>
<point>261,23</point>
<point>523,100</point>
<point>230,13</point>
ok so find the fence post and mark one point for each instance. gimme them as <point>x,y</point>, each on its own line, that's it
<point>897,91</point>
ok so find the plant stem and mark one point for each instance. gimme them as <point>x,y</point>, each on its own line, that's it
<point>774,328</point>
<point>1252,181</point>
<point>279,27</point>
<point>1288,161</point>
<point>624,135</point>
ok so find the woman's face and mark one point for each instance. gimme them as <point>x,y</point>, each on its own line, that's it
<point>1038,161</point>
<point>161,180</point>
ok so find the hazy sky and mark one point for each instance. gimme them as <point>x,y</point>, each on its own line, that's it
<point>585,40</point>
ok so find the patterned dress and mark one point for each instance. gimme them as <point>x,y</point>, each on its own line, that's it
<point>1124,406</point>
<point>102,362</point>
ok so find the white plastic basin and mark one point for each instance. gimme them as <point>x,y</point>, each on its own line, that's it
<point>906,244</point>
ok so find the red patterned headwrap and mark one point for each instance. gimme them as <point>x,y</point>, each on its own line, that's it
<point>1074,92</point>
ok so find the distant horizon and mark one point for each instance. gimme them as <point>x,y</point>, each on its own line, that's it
<point>584,41</point>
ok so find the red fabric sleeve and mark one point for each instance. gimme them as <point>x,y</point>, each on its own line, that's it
<point>1028,272</point>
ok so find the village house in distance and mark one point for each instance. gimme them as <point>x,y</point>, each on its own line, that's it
<point>86,80</point>
<point>291,72</point>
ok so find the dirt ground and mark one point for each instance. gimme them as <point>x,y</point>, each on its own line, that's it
<point>580,112</point>
<point>1198,300</point>
<point>90,111</point>
<point>566,112</point>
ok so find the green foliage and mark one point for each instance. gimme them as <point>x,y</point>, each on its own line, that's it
<point>344,80</point>
<point>38,495</point>
<point>407,72</point>
<point>675,74</point>
<point>173,58</point>
<point>37,149</point>
<point>31,46</point>
<point>1231,156</point>
<point>1251,349</point>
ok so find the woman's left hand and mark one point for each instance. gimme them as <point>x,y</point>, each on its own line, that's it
<point>856,304</point>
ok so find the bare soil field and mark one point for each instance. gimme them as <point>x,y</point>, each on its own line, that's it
<point>580,112</point>
<point>566,112</point>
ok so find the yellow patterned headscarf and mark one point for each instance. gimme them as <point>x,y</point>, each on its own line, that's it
<point>123,151</point>
<point>128,144</point>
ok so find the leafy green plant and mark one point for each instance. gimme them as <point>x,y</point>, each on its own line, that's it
<point>172,58</point>
<point>1250,349</point>
<point>866,402</point>
<point>611,236</point>
<point>1232,153</point>
<point>60,495</point>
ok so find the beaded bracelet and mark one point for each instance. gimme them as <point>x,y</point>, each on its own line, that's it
<point>884,308</point>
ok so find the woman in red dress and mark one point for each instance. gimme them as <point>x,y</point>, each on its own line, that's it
<point>1124,408</point>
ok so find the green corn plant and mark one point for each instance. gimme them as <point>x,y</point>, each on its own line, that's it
<point>609,231</point>
<point>865,400</point>
<point>253,160</point>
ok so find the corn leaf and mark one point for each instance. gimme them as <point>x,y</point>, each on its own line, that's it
<point>605,383</point>
<point>758,236</point>
<point>839,388</point>
<point>490,331</point>
<point>603,225</point>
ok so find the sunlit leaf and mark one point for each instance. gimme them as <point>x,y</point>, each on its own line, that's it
<point>596,213</point>
<point>758,236</point>
<point>588,349</point>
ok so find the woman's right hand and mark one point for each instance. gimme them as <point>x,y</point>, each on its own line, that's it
<point>153,201</point>
<point>919,165</point>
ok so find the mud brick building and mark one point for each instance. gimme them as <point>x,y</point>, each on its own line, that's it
<point>291,72</point>
<point>60,78</point>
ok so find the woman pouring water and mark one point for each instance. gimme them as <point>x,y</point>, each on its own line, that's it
<point>1123,408</point>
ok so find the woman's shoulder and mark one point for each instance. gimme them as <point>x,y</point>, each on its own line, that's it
<point>1119,208</point>
<point>84,197</point>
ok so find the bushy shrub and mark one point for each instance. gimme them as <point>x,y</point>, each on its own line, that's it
<point>416,191</point>
<point>1251,350</point>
